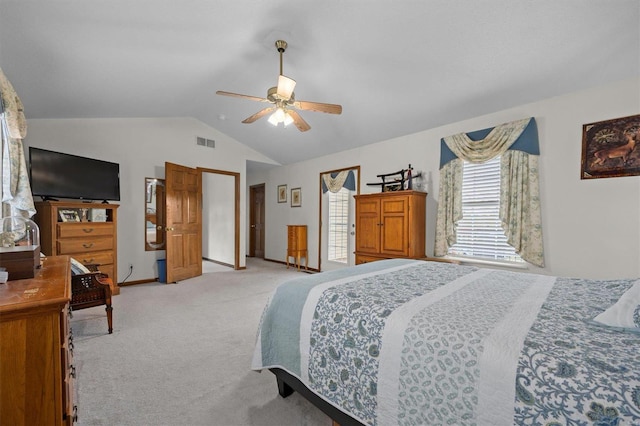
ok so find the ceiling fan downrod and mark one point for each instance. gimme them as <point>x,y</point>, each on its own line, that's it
<point>281,45</point>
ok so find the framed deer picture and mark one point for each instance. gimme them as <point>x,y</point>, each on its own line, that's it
<point>609,148</point>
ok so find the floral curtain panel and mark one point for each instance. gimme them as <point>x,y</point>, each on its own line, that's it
<point>16,191</point>
<point>517,144</point>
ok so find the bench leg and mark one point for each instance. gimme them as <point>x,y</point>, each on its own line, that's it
<point>109,310</point>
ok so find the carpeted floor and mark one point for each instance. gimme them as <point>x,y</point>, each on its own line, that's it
<point>180,354</point>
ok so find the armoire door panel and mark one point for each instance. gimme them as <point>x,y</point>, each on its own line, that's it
<point>398,206</point>
<point>394,235</point>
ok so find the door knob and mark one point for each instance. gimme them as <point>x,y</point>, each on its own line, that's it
<point>169,229</point>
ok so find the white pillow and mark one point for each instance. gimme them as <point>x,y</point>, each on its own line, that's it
<point>626,311</point>
<point>78,268</point>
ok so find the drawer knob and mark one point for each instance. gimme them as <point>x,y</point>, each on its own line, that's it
<point>72,371</point>
<point>87,230</point>
<point>85,245</point>
<point>85,261</point>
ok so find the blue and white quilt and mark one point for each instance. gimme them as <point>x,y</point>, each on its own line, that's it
<point>411,342</point>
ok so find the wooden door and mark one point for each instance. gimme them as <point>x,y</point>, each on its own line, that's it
<point>394,226</point>
<point>184,222</point>
<point>256,213</point>
<point>368,225</point>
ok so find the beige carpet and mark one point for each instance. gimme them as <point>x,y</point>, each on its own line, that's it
<point>180,354</point>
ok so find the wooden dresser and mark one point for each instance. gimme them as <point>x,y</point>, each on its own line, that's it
<point>36,348</point>
<point>390,225</point>
<point>92,243</point>
<point>297,244</point>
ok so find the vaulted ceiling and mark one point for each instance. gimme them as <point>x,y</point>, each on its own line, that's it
<point>397,67</point>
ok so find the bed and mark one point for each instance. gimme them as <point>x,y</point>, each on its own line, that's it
<point>412,342</point>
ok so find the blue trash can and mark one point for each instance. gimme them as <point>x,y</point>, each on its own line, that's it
<point>162,270</point>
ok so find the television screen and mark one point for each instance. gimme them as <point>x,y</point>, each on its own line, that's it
<point>54,174</point>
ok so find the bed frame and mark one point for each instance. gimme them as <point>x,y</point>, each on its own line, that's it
<point>288,383</point>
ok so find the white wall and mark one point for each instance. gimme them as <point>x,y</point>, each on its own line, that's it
<point>591,227</point>
<point>218,217</point>
<point>141,146</point>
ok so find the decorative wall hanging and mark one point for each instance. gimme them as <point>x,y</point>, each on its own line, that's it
<point>609,148</point>
<point>282,193</point>
<point>397,181</point>
<point>296,197</point>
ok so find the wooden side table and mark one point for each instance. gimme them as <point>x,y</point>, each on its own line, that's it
<point>297,245</point>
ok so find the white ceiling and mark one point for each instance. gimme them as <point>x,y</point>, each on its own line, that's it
<point>397,67</point>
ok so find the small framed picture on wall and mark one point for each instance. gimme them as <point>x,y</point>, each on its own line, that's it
<point>296,197</point>
<point>282,193</point>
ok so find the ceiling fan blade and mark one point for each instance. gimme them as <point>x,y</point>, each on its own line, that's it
<point>237,95</point>
<point>318,107</point>
<point>258,115</point>
<point>285,87</point>
<point>302,125</point>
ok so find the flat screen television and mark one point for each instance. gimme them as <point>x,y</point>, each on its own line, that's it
<point>55,174</point>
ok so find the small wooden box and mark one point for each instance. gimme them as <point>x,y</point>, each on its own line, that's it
<point>20,261</point>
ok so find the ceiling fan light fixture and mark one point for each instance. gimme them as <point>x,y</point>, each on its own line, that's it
<point>277,117</point>
<point>285,87</point>
<point>287,119</point>
<point>280,116</point>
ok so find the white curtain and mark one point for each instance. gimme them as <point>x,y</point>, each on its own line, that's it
<point>519,190</point>
<point>16,191</point>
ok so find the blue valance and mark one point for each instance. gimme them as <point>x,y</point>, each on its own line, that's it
<point>349,183</point>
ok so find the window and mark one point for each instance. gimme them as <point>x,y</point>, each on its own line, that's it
<point>479,233</point>
<point>338,225</point>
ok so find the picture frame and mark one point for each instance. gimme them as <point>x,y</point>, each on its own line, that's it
<point>609,148</point>
<point>296,197</point>
<point>98,215</point>
<point>282,193</point>
<point>69,215</point>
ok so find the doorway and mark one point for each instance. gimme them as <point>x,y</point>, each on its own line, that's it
<point>257,221</point>
<point>337,218</point>
<point>220,218</point>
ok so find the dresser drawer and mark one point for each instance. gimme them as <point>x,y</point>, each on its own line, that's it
<point>84,229</point>
<point>108,269</point>
<point>95,258</point>
<point>84,245</point>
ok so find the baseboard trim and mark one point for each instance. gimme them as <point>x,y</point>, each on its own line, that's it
<point>145,281</point>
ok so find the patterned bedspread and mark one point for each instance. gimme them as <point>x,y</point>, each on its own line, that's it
<point>411,342</point>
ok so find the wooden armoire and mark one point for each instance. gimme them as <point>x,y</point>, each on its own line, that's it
<point>390,225</point>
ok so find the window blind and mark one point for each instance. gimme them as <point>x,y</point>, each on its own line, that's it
<point>338,225</point>
<point>479,233</point>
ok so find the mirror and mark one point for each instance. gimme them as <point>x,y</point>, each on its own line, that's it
<point>154,215</point>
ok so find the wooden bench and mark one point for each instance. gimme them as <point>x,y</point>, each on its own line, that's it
<point>92,289</point>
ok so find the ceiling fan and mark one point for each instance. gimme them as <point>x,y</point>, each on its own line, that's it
<point>284,102</point>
